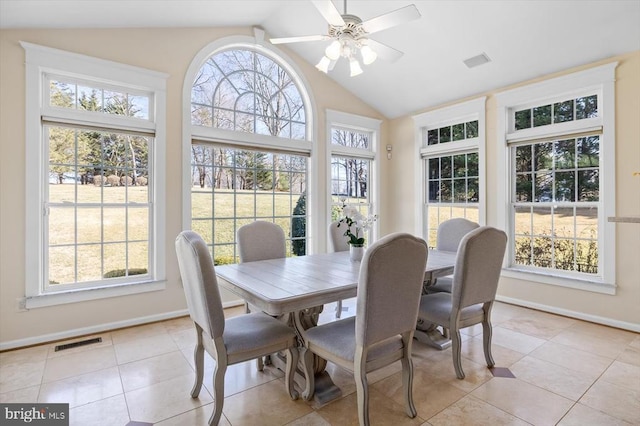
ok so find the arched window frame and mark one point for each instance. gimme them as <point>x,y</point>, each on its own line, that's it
<point>251,140</point>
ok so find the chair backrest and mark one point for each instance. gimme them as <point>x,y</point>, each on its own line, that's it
<point>389,287</point>
<point>338,241</point>
<point>200,283</point>
<point>478,265</point>
<point>451,231</point>
<point>261,240</point>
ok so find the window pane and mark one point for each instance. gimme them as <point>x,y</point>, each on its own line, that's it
<point>587,107</point>
<point>434,168</point>
<point>458,132</point>
<point>542,115</point>
<point>445,134</point>
<point>524,187</point>
<point>446,191</point>
<point>459,165</point>
<point>543,186</point>
<point>432,137</point>
<point>459,190</point>
<point>472,164</point>
<point>543,156</point>
<point>523,158</point>
<point>564,222</point>
<point>445,167</point>
<point>563,111</point>
<point>565,186</point>
<point>565,154</point>
<point>589,151</point>
<point>523,119</point>
<point>472,129</point>
<point>588,185</point>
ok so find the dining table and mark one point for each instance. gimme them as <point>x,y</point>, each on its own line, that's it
<point>296,288</point>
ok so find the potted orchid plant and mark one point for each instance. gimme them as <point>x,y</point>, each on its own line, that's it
<point>356,224</point>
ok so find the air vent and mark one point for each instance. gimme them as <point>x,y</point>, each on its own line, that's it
<point>477,60</point>
<point>79,343</point>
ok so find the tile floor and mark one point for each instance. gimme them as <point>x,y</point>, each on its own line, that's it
<point>567,372</point>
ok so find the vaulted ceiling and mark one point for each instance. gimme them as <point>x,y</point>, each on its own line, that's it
<point>523,39</point>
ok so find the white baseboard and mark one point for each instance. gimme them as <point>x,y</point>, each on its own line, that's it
<point>571,314</point>
<point>69,334</point>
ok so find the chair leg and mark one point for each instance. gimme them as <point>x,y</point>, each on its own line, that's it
<point>362,388</point>
<point>259,364</point>
<point>456,346</point>
<point>487,332</point>
<point>292,364</point>
<point>309,374</point>
<point>407,385</point>
<point>198,356</point>
<point>218,392</point>
<point>338,309</point>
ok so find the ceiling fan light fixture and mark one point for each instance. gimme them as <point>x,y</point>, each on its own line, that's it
<point>355,67</point>
<point>323,65</point>
<point>334,50</point>
<point>368,55</point>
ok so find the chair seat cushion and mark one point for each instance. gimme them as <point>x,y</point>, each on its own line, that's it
<point>338,338</point>
<point>436,308</point>
<point>253,331</point>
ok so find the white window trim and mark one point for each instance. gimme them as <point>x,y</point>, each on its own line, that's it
<point>462,112</point>
<point>39,61</point>
<point>306,147</point>
<point>602,80</point>
<point>358,123</point>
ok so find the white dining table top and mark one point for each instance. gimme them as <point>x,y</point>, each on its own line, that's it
<point>278,286</point>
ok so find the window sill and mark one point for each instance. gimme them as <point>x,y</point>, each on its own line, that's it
<point>569,282</point>
<point>61,298</point>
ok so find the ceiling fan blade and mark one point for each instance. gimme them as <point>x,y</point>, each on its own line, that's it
<point>391,19</point>
<point>328,10</point>
<point>385,52</point>
<point>283,40</point>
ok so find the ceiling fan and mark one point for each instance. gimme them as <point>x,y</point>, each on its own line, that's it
<point>350,35</point>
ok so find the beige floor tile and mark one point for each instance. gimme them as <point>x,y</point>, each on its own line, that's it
<point>240,377</point>
<point>145,347</point>
<point>581,415</point>
<point>157,369</point>
<point>83,389</point>
<point>523,400</point>
<point>197,417</point>
<point>473,349</point>
<point>622,374</point>
<point>107,412</point>
<point>631,355</point>
<point>184,338</point>
<point>614,400</point>
<point>163,400</point>
<point>75,364</point>
<point>539,324</point>
<point>470,411</point>
<point>29,394</point>
<point>503,312</point>
<point>609,333</point>
<point>430,394</point>
<point>21,356</point>
<point>311,419</point>
<point>178,324</point>
<point>516,341</point>
<point>382,411</point>
<point>442,369</point>
<point>129,334</point>
<point>106,341</point>
<point>267,404</point>
<point>16,376</point>
<point>474,330</point>
<point>560,380</point>
<point>635,343</point>
<point>595,343</point>
<point>590,365</point>
<point>234,311</point>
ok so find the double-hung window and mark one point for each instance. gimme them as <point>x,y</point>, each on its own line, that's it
<point>558,144</point>
<point>95,137</point>
<point>352,147</point>
<point>249,146</point>
<point>451,150</point>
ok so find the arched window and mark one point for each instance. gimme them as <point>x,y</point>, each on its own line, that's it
<point>250,144</point>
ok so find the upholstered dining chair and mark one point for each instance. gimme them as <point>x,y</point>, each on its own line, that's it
<point>450,232</point>
<point>389,288</point>
<point>475,282</point>
<point>338,243</point>
<point>230,341</point>
<point>260,240</point>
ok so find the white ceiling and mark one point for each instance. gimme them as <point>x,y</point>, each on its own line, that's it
<point>524,38</point>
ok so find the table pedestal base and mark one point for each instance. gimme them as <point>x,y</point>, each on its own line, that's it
<point>430,335</point>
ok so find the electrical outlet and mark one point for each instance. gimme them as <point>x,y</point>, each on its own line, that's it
<point>22,304</point>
